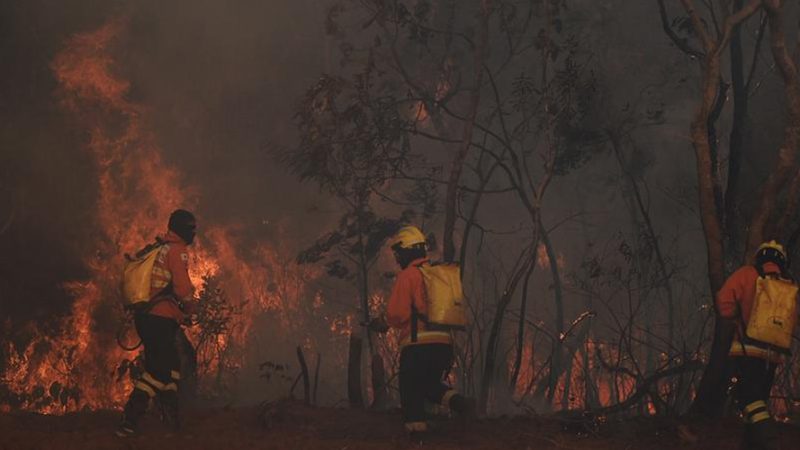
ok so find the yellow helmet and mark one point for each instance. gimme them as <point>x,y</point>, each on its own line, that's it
<point>772,245</point>
<point>407,237</point>
<point>771,251</point>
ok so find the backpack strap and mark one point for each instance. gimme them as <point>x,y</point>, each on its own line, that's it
<point>415,315</point>
<point>780,275</point>
<point>422,317</point>
<point>149,247</point>
<point>414,323</point>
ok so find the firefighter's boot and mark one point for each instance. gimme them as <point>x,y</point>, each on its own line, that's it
<point>763,435</point>
<point>134,410</point>
<point>463,406</point>
<point>169,409</point>
<point>418,432</point>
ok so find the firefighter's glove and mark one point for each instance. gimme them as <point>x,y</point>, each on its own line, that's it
<point>378,325</point>
<point>189,320</point>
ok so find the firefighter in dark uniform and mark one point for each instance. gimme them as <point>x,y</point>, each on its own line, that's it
<point>158,323</point>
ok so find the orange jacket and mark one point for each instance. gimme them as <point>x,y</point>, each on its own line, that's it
<point>170,281</point>
<point>408,291</point>
<point>735,302</point>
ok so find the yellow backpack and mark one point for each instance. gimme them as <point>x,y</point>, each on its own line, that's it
<point>446,305</point>
<point>138,273</point>
<point>774,313</point>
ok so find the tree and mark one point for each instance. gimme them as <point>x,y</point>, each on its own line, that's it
<point>516,132</point>
<point>352,143</point>
<point>764,220</point>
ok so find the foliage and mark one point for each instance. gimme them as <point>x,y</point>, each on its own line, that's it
<point>352,139</point>
<point>345,243</point>
<point>214,318</point>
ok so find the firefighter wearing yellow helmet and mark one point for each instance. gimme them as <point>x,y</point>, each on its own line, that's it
<point>425,328</point>
<point>408,238</point>
<point>762,300</point>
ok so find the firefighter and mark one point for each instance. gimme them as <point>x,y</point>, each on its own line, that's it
<point>426,352</point>
<point>158,323</point>
<point>752,362</point>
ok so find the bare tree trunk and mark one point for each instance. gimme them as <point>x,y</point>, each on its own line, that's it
<point>521,330</point>
<point>591,395</point>
<point>316,380</point>
<point>10,219</point>
<point>377,371</point>
<point>762,217</point>
<point>527,257</point>
<point>711,391</point>
<point>354,373</point>
<point>789,213</point>
<point>456,166</point>
<point>737,142</point>
<point>558,298</point>
<point>301,359</point>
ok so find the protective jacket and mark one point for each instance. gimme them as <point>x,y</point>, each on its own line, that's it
<point>735,302</point>
<point>170,286</point>
<point>408,307</point>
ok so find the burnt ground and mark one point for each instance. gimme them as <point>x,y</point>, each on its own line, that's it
<point>294,426</point>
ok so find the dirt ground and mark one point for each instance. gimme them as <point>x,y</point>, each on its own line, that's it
<point>294,426</point>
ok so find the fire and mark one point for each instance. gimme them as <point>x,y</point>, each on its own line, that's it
<point>543,261</point>
<point>74,368</point>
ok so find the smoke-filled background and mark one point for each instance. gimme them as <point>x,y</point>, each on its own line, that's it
<point>220,82</point>
<point>114,113</point>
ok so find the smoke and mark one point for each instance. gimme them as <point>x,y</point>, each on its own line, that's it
<point>222,81</point>
<point>219,81</point>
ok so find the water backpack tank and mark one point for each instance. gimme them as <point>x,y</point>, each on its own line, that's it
<point>774,312</point>
<point>446,305</point>
<point>138,273</point>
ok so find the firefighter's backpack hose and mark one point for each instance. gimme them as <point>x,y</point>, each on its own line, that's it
<point>123,331</point>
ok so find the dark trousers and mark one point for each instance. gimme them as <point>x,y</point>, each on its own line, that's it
<point>754,378</point>
<point>162,369</point>
<point>422,371</point>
